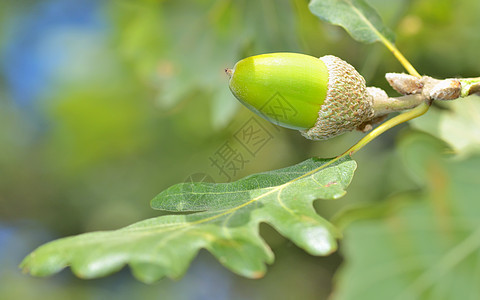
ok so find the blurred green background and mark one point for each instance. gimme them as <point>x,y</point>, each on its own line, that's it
<point>103,104</point>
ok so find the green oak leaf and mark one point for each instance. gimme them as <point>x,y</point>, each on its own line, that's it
<point>358,18</point>
<point>225,222</point>
<point>421,245</point>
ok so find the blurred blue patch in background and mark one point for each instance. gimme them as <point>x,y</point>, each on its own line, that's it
<point>45,37</point>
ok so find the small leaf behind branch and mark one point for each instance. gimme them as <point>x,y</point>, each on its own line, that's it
<point>226,224</point>
<point>358,18</point>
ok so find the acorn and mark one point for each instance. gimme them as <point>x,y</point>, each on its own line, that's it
<point>322,97</point>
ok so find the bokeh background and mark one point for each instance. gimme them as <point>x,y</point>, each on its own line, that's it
<point>103,104</point>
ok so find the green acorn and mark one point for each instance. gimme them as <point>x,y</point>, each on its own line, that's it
<point>322,97</point>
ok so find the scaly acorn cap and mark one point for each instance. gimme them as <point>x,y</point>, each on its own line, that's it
<point>320,97</point>
<point>347,105</point>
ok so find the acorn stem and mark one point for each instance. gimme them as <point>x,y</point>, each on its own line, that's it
<point>404,117</point>
<point>384,106</point>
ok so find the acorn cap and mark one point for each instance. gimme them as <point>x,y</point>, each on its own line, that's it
<point>347,105</point>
